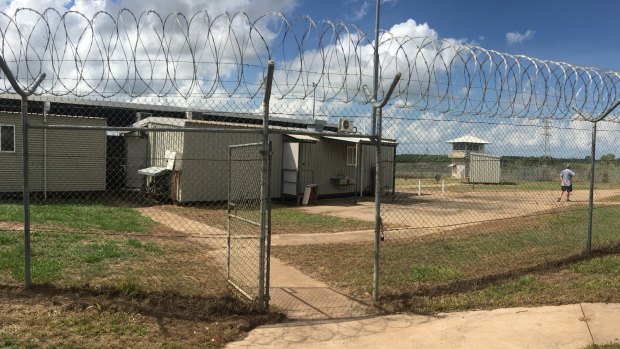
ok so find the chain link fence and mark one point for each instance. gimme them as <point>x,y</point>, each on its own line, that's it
<point>157,187</point>
<point>480,199</point>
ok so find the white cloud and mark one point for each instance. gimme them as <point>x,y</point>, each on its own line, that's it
<point>360,12</point>
<point>517,38</point>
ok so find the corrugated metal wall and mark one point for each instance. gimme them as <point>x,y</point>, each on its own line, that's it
<point>325,160</point>
<point>204,175</point>
<point>76,160</point>
<point>484,168</point>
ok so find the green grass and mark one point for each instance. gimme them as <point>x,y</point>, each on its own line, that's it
<point>292,220</point>
<point>469,253</point>
<point>69,256</point>
<point>605,265</point>
<point>79,216</point>
<point>7,341</point>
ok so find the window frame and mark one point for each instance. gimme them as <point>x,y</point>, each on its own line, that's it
<point>354,153</point>
<point>14,140</point>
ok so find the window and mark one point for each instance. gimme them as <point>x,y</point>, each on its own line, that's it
<point>351,156</point>
<point>7,138</point>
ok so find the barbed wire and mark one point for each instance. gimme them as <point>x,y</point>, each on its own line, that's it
<point>203,55</point>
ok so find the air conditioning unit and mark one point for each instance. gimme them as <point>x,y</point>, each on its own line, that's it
<point>345,125</point>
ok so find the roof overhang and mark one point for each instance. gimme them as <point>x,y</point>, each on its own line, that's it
<point>302,138</point>
<point>360,140</point>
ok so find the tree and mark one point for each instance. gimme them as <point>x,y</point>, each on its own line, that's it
<point>608,157</point>
<point>606,163</point>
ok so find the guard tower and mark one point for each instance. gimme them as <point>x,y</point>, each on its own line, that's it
<point>470,162</point>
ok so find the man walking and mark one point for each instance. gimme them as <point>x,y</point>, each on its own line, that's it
<point>566,177</point>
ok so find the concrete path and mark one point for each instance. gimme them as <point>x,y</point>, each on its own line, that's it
<point>568,326</point>
<point>292,292</point>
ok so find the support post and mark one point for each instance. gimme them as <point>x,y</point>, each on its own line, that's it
<point>268,245</point>
<point>378,223</point>
<point>26,192</point>
<point>378,143</point>
<point>591,194</point>
<point>46,109</point>
<point>264,207</point>
<point>375,83</point>
<point>594,122</point>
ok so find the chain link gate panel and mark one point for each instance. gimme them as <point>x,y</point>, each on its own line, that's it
<point>246,246</point>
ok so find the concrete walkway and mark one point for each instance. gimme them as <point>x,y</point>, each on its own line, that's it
<point>568,326</point>
<point>292,292</point>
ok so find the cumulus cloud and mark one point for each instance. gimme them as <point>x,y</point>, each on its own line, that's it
<point>517,37</point>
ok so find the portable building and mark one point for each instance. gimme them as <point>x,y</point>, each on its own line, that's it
<point>200,170</point>
<point>59,160</point>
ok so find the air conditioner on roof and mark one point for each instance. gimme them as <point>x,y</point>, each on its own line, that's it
<point>345,125</point>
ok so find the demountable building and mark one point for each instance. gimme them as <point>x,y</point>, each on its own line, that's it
<point>336,165</point>
<point>470,162</point>
<point>59,160</point>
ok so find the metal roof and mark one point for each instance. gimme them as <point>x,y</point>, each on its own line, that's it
<point>468,139</point>
<point>358,140</point>
<point>303,138</point>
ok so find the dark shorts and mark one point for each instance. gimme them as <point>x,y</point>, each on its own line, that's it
<point>567,188</point>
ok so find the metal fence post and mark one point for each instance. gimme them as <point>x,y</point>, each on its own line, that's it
<point>25,160</point>
<point>268,244</point>
<point>264,186</point>
<point>378,106</point>
<point>378,223</point>
<point>594,122</point>
<point>26,193</point>
<point>591,194</point>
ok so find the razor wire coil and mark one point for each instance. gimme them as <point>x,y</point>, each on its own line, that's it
<point>199,56</point>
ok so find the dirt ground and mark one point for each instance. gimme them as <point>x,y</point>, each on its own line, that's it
<point>455,208</point>
<point>425,214</point>
<point>51,317</point>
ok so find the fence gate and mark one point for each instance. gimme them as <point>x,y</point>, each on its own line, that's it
<point>246,245</point>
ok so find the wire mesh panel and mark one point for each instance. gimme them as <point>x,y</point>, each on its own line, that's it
<point>245,251</point>
<point>482,199</point>
<point>134,184</point>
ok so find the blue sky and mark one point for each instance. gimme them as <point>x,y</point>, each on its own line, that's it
<point>577,32</point>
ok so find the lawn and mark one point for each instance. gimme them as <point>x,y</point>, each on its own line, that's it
<point>78,216</point>
<point>108,277</point>
<point>593,280</point>
<point>465,256</point>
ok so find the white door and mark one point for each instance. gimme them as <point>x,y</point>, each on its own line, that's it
<point>460,171</point>
<point>136,160</point>
<point>290,168</point>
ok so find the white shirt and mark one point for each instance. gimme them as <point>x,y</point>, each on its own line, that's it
<point>567,177</point>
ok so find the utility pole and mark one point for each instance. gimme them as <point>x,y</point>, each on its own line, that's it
<point>376,68</point>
